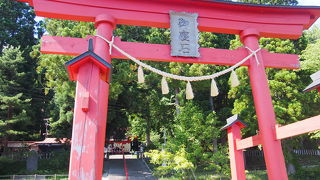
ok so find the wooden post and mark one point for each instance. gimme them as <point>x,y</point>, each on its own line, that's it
<point>236,156</point>
<point>263,104</point>
<point>89,123</point>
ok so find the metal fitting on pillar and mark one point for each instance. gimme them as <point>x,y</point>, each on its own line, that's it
<point>104,24</point>
<point>249,32</point>
<point>105,18</point>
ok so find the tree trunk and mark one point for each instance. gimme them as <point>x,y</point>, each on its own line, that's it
<point>215,145</point>
<point>214,140</point>
<point>9,112</point>
<point>211,103</point>
<point>148,133</point>
<point>291,169</point>
<point>177,101</point>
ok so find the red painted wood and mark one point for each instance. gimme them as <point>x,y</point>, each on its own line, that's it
<point>27,1</point>
<point>298,128</point>
<point>248,142</point>
<point>160,52</point>
<point>73,69</point>
<point>88,133</point>
<point>104,25</point>
<point>264,109</point>
<point>82,160</point>
<point>125,165</point>
<point>206,10</point>
<point>85,102</point>
<point>236,156</point>
<point>213,17</point>
<point>64,45</point>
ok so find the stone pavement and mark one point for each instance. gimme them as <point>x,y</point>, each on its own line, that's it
<point>137,170</point>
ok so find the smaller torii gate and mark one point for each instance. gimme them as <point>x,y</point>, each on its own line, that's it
<point>91,70</point>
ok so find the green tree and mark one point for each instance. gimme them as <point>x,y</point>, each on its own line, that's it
<point>313,34</point>
<point>17,34</point>
<point>17,25</point>
<point>56,81</point>
<point>196,129</point>
<point>310,65</point>
<point>14,121</point>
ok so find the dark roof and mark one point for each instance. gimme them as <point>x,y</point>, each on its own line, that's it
<point>54,141</point>
<point>232,120</point>
<point>316,82</point>
<point>88,53</point>
<point>259,5</point>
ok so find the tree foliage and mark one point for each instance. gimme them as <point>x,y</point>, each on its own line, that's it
<point>22,100</point>
<point>13,104</point>
<point>17,25</point>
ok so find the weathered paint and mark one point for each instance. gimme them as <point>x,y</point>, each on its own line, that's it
<point>90,114</point>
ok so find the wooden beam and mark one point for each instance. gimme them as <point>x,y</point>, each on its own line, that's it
<point>161,52</point>
<point>298,128</point>
<point>213,16</point>
<point>248,142</point>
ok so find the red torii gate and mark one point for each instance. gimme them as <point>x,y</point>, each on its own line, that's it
<point>249,21</point>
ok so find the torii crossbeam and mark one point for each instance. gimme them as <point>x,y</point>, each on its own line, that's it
<point>249,21</point>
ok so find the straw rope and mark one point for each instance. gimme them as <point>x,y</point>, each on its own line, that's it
<point>178,77</point>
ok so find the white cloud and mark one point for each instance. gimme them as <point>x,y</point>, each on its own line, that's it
<point>309,2</point>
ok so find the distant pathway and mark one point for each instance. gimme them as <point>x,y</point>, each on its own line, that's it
<point>137,170</point>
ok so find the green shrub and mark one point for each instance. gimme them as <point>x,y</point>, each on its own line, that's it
<point>168,164</point>
<point>257,175</point>
<point>9,166</point>
<point>306,173</point>
<point>59,162</point>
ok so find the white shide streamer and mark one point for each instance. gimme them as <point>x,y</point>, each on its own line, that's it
<point>214,88</point>
<point>140,75</point>
<point>164,86</point>
<point>189,92</point>
<point>234,79</point>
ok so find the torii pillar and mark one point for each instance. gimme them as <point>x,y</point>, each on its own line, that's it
<point>233,127</point>
<point>272,149</point>
<point>91,105</point>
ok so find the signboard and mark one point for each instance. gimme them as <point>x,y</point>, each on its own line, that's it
<point>184,34</point>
